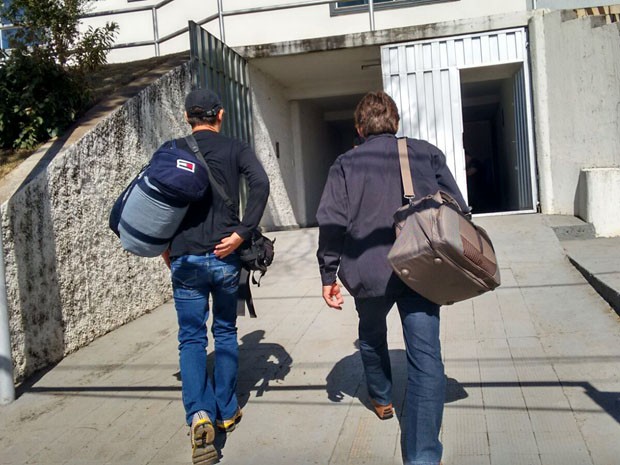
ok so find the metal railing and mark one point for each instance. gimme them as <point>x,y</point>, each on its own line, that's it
<point>220,15</point>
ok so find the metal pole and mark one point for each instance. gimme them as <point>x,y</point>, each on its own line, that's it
<point>7,388</point>
<point>155,31</point>
<point>221,17</point>
<point>371,13</point>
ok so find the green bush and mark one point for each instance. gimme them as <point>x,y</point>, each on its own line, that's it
<point>38,100</point>
<point>43,79</point>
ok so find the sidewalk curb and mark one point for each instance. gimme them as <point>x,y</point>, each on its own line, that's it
<point>611,296</point>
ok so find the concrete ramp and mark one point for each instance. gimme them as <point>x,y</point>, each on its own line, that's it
<point>533,376</point>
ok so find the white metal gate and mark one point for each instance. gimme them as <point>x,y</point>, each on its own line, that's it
<point>423,77</point>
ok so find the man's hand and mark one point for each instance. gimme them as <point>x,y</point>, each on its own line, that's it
<point>332,296</point>
<point>228,245</point>
<point>166,257</point>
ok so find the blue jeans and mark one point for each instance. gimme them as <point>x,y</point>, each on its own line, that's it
<point>426,381</point>
<point>194,278</point>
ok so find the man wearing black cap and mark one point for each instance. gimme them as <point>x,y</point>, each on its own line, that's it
<point>203,262</point>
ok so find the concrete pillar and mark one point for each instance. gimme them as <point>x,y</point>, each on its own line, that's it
<point>597,199</point>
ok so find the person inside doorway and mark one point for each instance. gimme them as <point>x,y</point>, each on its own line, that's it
<point>477,192</point>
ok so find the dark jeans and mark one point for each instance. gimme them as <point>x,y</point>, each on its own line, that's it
<point>426,381</point>
<point>194,278</point>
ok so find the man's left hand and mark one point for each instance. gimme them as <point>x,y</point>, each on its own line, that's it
<point>228,245</point>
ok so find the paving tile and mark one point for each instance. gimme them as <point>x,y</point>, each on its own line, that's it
<point>473,400</point>
<point>517,443</point>
<point>558,442</point>
<point>605,449</point>
<point>503,398</point>
<point>455,422</point>
<point>566,458</point>
<point>552,398</point>
<point>373,441</point>
<point>466,460</point>
<point>466,444</point>
<point>505,458</point>
<point>558,421</point>
<point>508,422</point>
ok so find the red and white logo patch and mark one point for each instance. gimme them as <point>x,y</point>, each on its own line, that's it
<point>186,165</point>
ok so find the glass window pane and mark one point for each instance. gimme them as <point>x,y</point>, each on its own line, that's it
<point>7,34</point>
<point>351,3</point>
<point>356,4</point>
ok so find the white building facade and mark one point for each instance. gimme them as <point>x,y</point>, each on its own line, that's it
<point>529,92</point>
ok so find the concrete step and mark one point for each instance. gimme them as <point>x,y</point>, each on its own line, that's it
<point>596,260</point>
<point>568,228</point>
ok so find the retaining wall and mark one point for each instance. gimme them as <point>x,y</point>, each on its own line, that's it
<point>68,281</point>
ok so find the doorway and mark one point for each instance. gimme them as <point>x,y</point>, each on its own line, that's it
<point>469,96</point>
<point>497,172</point>
<point>304,105</point>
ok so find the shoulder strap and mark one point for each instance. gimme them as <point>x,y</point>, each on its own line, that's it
<point>244,296</point>
<point>405,169</point>
<point>193,145</point>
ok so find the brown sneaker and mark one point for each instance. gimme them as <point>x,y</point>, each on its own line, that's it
<point>202,435</point>
<point>384,412</point>
<point>231,423</point>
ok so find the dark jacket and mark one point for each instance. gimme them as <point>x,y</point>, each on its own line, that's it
<point>209,221</point>
<point>355,216</point>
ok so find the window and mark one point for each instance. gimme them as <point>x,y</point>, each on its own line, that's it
<point>5,36</point>
<point>358,6</point>
<point>5,27</point>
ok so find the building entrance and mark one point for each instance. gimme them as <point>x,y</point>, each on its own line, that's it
<point>470,96</point>
<point>303,107</point>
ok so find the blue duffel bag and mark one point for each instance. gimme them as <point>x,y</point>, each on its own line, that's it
<point>149,211</point>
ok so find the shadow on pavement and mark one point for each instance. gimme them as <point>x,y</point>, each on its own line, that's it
<point>347,378</point>
<point>259,364</point>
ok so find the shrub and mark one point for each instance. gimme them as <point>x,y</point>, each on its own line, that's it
<point>38,100</point>
<point>43,79</point>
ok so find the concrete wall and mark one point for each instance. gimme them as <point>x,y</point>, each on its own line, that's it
<point>274,26</point>
<point>316,148</point>
<point>576,86</point>
<point>68,281</point>
<point>598,194</point>
<point>316,21</point>
<point>566,4</point>
<point>273,136</point>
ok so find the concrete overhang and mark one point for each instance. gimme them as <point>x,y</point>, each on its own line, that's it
<point>387,36</point>
<point>350,64</point>
<point>327,73</point>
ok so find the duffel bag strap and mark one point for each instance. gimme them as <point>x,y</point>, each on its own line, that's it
<point>405,169</point>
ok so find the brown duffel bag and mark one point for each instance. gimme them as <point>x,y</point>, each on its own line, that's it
<point>439,252</point>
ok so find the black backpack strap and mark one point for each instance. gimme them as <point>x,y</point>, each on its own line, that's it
<point>257,281</point>
<point>193,145</point>
<point>244,296</point>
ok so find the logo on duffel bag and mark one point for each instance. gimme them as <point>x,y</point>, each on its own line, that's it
<point>186,165</point>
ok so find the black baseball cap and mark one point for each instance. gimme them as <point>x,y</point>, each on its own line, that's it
<point>202,102</point>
